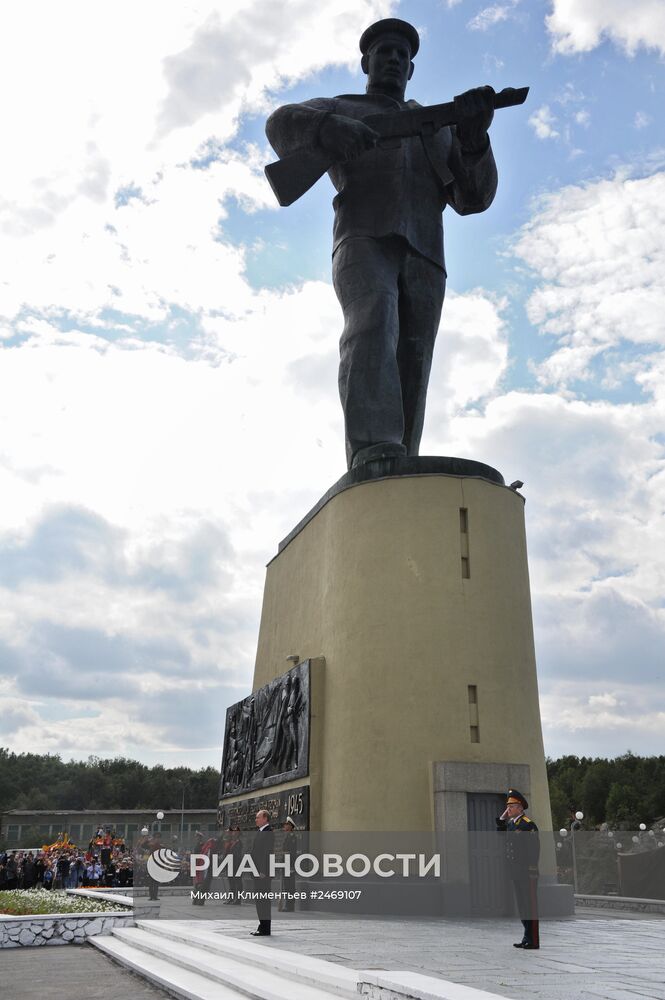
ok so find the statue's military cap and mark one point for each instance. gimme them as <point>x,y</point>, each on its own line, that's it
<point>392,26</point>
<point>515,796</point>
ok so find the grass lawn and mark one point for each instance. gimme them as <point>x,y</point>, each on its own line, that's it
<point>22,902</point>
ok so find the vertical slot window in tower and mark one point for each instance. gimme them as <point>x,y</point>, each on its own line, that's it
<point>464,541</point>
<point>474,725</point>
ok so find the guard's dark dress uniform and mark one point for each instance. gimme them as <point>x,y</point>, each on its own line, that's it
<point>522,854</point>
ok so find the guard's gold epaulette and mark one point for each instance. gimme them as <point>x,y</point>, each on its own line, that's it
<point>524,816</point>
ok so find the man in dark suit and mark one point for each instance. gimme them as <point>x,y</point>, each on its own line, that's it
<point>522,853</point>
<point>388,264</point>
<point>262,849</point>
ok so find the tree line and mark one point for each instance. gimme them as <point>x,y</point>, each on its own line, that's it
<point>623,792</point>
<point>44,781</point>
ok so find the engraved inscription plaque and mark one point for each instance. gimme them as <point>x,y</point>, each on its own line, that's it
<point>293,802</point>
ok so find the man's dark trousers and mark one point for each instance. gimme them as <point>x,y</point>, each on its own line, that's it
<point>526,896</point>
<point>262,849</point>
<point>262,885</point>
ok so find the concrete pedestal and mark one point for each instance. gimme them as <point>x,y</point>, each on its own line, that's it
<point>408,589</point>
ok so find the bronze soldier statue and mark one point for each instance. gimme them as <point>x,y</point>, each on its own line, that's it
<point>393,181</point>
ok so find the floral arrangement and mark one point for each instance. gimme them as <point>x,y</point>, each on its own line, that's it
<point>63,841</point>
<point>22,902</point>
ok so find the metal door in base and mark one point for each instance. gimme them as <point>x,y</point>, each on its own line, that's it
<point>488,889</point>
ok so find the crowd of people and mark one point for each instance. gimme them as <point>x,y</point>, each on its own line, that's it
<point>108,862</point>
<point>228,844</point>
<point>62,865</point>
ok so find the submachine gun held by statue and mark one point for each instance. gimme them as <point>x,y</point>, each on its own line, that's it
<point>291,176</point>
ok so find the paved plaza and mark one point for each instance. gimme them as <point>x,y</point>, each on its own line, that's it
<point>71,972</point>
<point>591,957</point>
<point>597,956</point>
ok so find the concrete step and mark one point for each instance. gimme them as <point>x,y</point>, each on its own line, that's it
<point>337,979</point>
<point>189,970</point>
<point>196,963</point>
<point>415,986</point>
<point>178,982</point>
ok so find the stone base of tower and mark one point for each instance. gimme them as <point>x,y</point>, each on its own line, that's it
<point>407,587</point>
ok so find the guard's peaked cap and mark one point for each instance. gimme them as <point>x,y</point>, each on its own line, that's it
<point>515,796</point>
<point>392,26</point>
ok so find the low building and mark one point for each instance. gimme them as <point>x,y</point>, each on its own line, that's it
<point>81,824</point>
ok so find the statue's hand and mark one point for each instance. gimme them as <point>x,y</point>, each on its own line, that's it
<point>346,138</point>
<point>474,110</point>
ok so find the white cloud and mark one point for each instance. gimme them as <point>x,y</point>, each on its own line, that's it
<point>605,700</point>
<point>107,414</point>
<point>245,50</point>
<point>543,123</point>
<point>141,258</point>
<point>494,14</point>
<point>67,241</point>
<point>594,479</point>
<point>570,93</point>
<point>154,369</point>
<point>470,359</point>
<point>126,476</point>
<point>16,714</point>
<point>583,118</point>
<point>598,725</point>
<point>599,252</point>
<point>594,471</point>
<point>641,120</point>
<point>581,25</point>
<point>492,63</point>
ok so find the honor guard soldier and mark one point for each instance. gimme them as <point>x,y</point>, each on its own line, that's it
<point>522,853</point>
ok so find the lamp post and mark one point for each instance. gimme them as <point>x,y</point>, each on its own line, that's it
<point>579,816</point>
<point>575,825</point>
<point>563,833</point>
<point>150,826</point>
<point>182,810</point>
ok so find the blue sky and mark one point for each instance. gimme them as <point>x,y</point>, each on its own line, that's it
<point>168,350</point>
